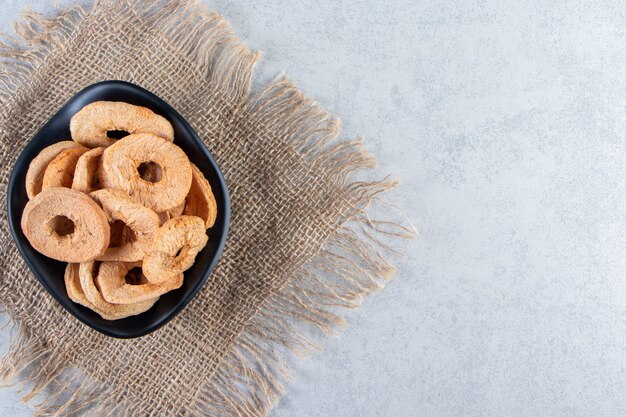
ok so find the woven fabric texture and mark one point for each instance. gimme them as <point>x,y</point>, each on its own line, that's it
<point>301,243</point>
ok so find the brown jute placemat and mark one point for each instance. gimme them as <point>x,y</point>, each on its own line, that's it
<point>301,242</point>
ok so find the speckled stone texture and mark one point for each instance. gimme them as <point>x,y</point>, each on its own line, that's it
<point>506,122</point>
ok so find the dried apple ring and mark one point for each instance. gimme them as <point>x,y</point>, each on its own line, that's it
<point>174,248</point>
<point>73,288</point>
<point>92,125</point>
<point>124,162</point>
<point>86,172</point>
<point>37,167</point>
<point>66,225</point>
<point>171,214</point>
<point>200,200</point>
<point>60,171</point>
<point>108,311</point>
<point>118,286</point>
<point>142,224</point>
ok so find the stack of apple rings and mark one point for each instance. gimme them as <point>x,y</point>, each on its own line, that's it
<point>129,215</point>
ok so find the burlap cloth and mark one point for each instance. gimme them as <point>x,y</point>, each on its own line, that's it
<point>300,244</point>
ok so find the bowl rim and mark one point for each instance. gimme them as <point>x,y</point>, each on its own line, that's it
<point>171,113</point>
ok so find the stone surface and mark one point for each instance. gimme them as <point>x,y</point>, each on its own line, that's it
<point>505,121</point>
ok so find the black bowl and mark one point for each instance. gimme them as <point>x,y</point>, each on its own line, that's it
<point>50,272</point>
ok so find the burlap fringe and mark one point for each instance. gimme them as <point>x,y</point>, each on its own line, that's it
<point>197,33</point>
<point>351,264</point>
<point>38,37</point>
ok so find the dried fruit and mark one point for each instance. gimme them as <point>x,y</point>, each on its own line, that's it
<point>86,172</point>
<point>60,171</point>
<point>37,167</point>
<point>171,214</point>
<point>108,311</point>
<point>136,206</point>
<point>123,163</point>
<point>93,122</point>
<point>141,223</point>
<point>174,248</point>
<point>73,288</point>
<point>116,287</point>
<point>66,225</point>
<point>200,200</point>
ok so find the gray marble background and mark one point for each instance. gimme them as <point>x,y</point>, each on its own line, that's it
<point>505,120</point>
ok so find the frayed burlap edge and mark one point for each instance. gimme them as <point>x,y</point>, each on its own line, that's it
<point>350,265</point>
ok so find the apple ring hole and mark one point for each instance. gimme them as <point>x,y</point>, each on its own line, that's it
<point>121,234</point>
<point>62,225</point>
<point>96,268</point>
<point>95,181</point>
<point>117,134</point>
<point>150,171</point>
<point>182,252</point>
<point>135,276</point>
